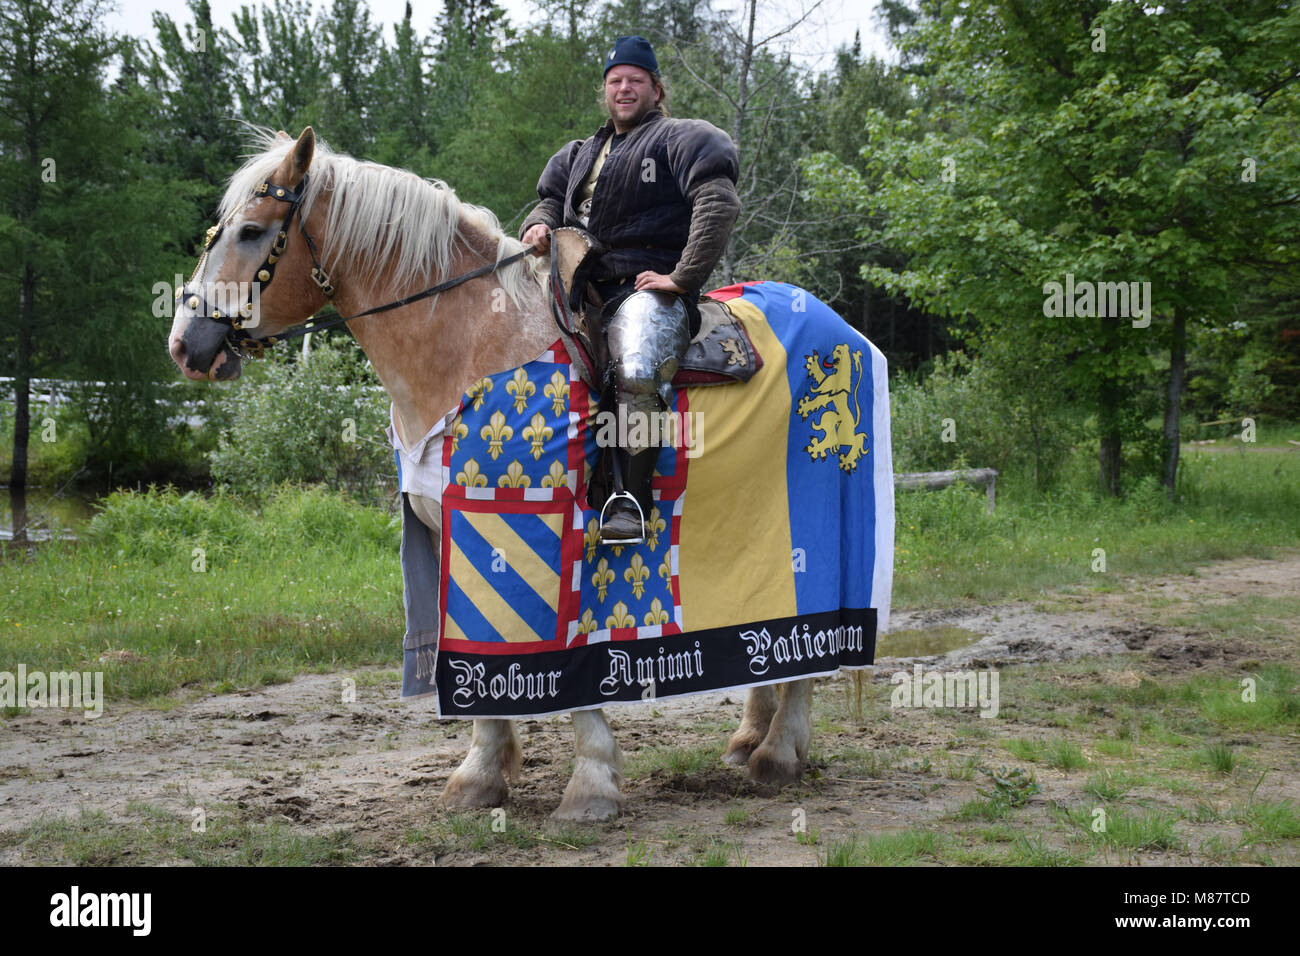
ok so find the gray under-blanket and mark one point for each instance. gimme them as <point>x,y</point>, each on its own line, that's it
<point>420,596</point>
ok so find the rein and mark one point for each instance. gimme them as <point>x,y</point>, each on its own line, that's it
<point>239,338</point>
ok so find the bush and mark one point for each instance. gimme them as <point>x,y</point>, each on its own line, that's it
<point>988,420</point>
<point>317,421</point>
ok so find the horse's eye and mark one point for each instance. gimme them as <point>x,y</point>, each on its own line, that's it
<point>251,232</point>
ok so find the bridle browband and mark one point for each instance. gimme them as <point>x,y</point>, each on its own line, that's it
<point>239,338</point>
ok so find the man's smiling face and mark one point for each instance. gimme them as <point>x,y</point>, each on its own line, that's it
<point>630,93</point>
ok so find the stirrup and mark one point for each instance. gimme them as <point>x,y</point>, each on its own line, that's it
<point>640,514</point>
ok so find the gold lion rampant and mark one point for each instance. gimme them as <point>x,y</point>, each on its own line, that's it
<point>839,425</point>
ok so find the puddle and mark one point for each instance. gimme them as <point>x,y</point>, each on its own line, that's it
<point>923,642</point>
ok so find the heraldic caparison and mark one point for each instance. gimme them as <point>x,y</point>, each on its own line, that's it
<point>536,615</point>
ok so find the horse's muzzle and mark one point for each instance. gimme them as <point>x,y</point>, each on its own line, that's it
<point>201,351</point>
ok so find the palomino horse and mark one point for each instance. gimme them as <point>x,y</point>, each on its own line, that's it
<point>370,235</point>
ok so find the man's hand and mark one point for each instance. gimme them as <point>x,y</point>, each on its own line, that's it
<point>656,281</point>
<point>538,236</point>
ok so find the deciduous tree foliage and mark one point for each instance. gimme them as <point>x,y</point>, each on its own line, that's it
<point>1109,141</point>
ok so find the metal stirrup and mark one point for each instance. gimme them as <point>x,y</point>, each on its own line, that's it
<point>640,514</point>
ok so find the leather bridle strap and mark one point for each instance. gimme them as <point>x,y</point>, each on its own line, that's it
<point>239,338</point>
<point>329,321</point>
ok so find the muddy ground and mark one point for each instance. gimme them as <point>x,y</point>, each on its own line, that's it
<point>289,773</point>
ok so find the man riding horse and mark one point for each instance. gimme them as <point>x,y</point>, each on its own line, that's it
<point>659,195</point>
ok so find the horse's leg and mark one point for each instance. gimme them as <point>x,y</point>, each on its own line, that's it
<point>592,795</point>
<point>779,758</point>
<point>494,754</point>
<point>760,705</point>
<point>494,751</point>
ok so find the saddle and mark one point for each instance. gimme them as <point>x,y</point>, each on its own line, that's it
<point>719,353</point>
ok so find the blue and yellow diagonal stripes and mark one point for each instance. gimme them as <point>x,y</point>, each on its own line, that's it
<point>502,579</point>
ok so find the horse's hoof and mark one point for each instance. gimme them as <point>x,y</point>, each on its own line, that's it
<point>464,793</point>
<point>736,758</point>
<point>771,772</point>
<point>592,810</point>
<point>741,745</point>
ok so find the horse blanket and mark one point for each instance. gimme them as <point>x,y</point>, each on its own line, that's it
<point>769,551</point>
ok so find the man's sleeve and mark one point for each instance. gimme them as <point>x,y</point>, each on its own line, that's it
<point>706,165</point>
<point>714,210</point>
<point>551,189</point>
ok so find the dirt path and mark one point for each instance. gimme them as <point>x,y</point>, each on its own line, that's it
<point>298,755</point>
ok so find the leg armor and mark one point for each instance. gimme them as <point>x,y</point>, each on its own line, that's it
<point>647,337</point>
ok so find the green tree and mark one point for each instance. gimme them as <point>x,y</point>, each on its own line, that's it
<point>87,225</point>
<point>1108,141</point>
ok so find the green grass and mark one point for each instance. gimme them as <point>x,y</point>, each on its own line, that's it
<point>948,550</point>
<point>1130,830</point>
<point>673,760</point>
<point>1111,785</point>
<point>720,853</point>
<point>1268,821</point>
<point>481,831</point>
<point>310,582</point>
<point>887,849</point>
<point>1064,755</point>
<point>736,816</point>
<point>155,836</point>
<point>1219,757</point>
<point>1030,751</point>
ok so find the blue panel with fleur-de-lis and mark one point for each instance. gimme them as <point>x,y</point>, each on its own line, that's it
<point>631,585</point>
<point>513,430</point>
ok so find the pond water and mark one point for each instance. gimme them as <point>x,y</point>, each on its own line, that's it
<point>41,514</point>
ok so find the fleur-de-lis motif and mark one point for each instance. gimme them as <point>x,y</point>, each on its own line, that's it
<point>537,432</point>
<point>514,477</point>
<point>497,431</point>
<point>556,477</point>
<point>656,614</point>
<point>471,477</point>
<point>591,538</point>
<point>636,573</point>
<point>588,622</point>
<point>602,579</point>
<point>619,617</point>
<point>521,388</point>
<point>666,568</point>
<point>557,392</point>
<point>478,392</point>
<point>458,431</point>
<point>654,524</point>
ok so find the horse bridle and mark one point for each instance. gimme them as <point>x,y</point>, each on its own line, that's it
<point>239,338</point>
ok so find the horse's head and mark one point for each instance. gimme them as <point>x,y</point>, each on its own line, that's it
<point>231,301</point>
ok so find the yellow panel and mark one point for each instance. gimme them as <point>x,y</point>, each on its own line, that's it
<point>490,604</point>
<point>522,559</point>
<point>735,556</point>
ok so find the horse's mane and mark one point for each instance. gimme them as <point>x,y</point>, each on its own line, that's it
<point>379,215</point>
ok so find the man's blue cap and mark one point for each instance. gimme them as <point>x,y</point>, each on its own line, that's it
<point>633,51</point>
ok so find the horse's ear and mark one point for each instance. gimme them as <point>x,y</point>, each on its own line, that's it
<point>298,161</point>
<point>281,136</point>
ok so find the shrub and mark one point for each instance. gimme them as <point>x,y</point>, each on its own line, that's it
<point>319,420</point>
